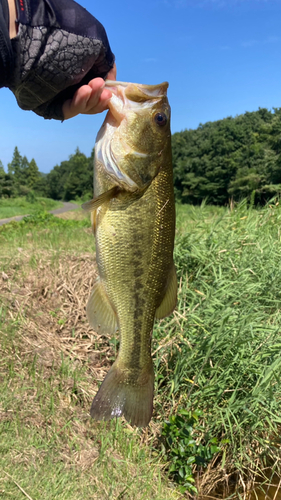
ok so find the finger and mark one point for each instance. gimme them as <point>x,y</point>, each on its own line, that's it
<point>78,103</point>
<point>97,90</point>
<point>88,99</point>
<point>96,84</point>
<point>85,98</point>
<point>102,105</point>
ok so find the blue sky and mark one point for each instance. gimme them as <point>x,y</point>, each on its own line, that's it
<point>220,57</point>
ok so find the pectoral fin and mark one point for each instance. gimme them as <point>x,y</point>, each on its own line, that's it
<point>100,314</point>
<point>92,205</point>
<point>169,301</point>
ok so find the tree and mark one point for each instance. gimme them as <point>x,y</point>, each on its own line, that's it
<point>41,187</point>
<point>72,178</point>
<point>22,175</point>
<point>32,174</point>
<point>78,180</point>
<point>14,168</point>
<point>2,177</point>
<point>2,171</point>
<point>6,184</point>
<point>229,157</point>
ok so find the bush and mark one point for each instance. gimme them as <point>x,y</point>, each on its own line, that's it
<point>182,450</point>
<point>31,197</point>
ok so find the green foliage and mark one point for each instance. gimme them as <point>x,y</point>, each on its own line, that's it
<point>31,197</point>
<point>229,158</point>
<point>32,174</point>
<point>182,450</point>
<point>47,219</point>
<point>41,186</point>
<point>218,355</point>
<point>220,352</point>
<point>72,178</point>
<point>49,435</point>
<point>6,187</point>
<point>14,168</point>
<point>22,177</point>
<point>2,171</point>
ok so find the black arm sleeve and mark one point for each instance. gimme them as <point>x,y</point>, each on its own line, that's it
<point>6,51</point>
<point>58,48</point>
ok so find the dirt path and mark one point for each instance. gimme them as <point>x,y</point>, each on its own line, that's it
<point>65,208</point>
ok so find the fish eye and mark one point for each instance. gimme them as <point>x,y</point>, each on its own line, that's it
<point>161,119</point>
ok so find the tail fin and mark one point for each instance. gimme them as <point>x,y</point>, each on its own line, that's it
<point>118,395</point>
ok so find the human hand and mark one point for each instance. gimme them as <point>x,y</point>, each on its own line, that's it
<point>89,99</point>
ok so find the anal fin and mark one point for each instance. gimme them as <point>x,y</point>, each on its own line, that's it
<point>169,301</point>
<point>100,314</point>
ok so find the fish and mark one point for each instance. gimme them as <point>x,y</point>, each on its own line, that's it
<point>133,219</point>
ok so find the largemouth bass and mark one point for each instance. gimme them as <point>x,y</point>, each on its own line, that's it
<point>133,216</point>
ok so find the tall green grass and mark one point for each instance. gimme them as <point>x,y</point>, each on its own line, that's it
<point>221,351</point>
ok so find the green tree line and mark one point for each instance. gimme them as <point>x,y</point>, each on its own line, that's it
<point>227,159</point>
<point>72,178</point>
<point>22,176</point>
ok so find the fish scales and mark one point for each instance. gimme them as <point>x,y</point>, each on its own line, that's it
<point>134,231</point>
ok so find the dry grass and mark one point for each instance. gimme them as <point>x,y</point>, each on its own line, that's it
<point>55,363</point>
<point>50,299</point>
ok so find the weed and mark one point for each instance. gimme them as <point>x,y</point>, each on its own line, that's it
<point>181,449</point>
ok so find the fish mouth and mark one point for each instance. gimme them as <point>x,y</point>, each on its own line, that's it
<point>151,91</point>
<point>131,95</point>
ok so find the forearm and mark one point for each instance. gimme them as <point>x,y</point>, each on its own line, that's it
<point>13,16</point>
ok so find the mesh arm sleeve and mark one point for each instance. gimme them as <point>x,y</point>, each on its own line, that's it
<point>59,47</point>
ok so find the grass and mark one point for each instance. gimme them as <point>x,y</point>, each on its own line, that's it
<point>218,355</point>
<point>223,343</point>
<point>50,364</point>
<point>49,446</point>
<point>10,207</point>
<point>70,231</point>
